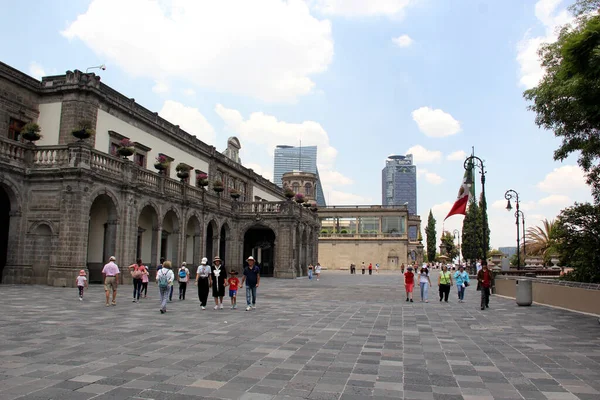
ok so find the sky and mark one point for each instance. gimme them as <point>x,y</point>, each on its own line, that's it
<point>359,79</point>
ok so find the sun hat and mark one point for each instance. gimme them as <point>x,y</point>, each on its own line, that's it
<point>204,261</point>
<point>112,258</point>
<point>217,258</point>
<point>81,272</point>
<point>250,258</point>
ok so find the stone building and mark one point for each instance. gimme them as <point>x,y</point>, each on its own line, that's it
<point>373,234</point>
<point>68,204</point>
<point>301,182</point>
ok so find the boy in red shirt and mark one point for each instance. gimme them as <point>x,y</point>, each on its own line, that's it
<point>233,282</point>
<point>409,283</point>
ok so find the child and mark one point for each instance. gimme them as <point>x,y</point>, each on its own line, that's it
<point>145,283</point>
<point>233,282</point>
<point>409,283</point>
<point>81,282</point>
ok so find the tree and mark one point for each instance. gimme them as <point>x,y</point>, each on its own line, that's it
<point>431,237</point>
<point>471,233</point>
<point>566,99</point>
<point>482,211</point>
<point>540,240</point>
<point>449,246</point>
<point>577,237</point>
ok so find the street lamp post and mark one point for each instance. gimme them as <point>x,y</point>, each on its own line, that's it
<point>523,223</point>
<point>456,233</point>
<point>509,195</point>
<point>478,162</point>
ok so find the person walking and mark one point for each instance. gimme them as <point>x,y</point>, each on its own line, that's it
<point>444,283</point>
<point>424,283</point>
<point>203,282</point>
<point>164,279</point>
<point>110,273</point>
<point>370,269</point>
<point>218,278</point>
<point>145,279</point>
<point>409,283</point>
<point>318,270</point>
<point>377,268</point>
<point>81,282</point>
<point>461,277</point>
<point>137,272</point>
<point>485,281</point>
<point>363,267</point>
<point>233,282</point>
<point>310,272</point>
<point>183,276</point>
<point>252,279</point>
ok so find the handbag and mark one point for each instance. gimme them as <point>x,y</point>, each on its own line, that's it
<point>466,284</point>
<point>136,273</point>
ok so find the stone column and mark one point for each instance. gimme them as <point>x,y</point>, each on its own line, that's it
<point>155,252</point>
<point>197,243</point>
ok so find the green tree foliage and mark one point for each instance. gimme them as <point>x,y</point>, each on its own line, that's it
<point>566,100</point>
<point>483,210</point>
<point>540,240</point>
<point>431,237</point>
<point>471,233</point>
<point>577,237</point>
<point>449,246</point>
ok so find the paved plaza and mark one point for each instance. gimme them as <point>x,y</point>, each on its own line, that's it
<point>344,337</point>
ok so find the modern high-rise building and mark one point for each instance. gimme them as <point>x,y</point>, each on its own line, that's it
<point>292,158</point>
<point>399,182</point>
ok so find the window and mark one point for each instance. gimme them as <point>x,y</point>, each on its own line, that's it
<point>141,154</point>
<point>140,159</point>
<point>308,189</point>
<point>296,187</point>
<point>14,129</point>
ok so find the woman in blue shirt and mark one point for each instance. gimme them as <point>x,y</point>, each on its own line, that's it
<point>461,277</point>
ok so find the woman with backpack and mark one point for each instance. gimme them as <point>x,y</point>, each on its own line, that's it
<point>137,272</point>
<point>164,279</point>
<point>183,276</point>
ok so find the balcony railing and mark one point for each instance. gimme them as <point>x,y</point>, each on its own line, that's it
<point>397,236</point>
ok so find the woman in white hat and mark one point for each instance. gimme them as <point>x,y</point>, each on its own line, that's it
<point>218,278</point>
<point>203,282</point>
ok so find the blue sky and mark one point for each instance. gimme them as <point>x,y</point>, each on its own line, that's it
<point>359,79</point>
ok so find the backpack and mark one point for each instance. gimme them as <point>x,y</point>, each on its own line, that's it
<point>182,273</point>
<point>163,279</point>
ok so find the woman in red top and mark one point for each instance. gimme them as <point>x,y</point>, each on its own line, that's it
<point>137,272</point>
<point>409,283</point>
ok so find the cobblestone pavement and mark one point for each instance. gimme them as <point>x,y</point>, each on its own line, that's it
<point>344,337</point>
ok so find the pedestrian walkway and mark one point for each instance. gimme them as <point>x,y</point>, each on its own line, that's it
<point>344,337</point>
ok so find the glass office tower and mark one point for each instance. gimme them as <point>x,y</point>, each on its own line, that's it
<point>292,158</point>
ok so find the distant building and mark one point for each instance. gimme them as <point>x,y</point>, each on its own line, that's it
<point>508,251</point>
<point>301,182</point>
<point>399,185</point>
<point>291,158</point>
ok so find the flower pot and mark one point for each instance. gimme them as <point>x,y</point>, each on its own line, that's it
<point>218,189</point>
<point>125,151</point>
<point>313,209</point>
<point>183,174</point>
<point>160,166</point>
<point>81,134</point>
<point>306,204</point>
<point>235,196</point>
<point>31,136</point>
<point>299,201</point>
<point>202,182</point>
<point>289,195</point>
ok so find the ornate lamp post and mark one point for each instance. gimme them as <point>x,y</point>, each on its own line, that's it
<point>523,223</point>
<point>474,161</point>
<point>509,195</point>
<point>456,233</point>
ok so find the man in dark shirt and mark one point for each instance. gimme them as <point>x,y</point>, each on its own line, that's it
<point>485,279</point>
<point>252,279</point>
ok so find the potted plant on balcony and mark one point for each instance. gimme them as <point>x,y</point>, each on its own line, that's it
<point>31,132</point>
<point>234,193</point>
<point>126,148</point>
<point>313,205</point>
<point>161,163</point>
<point>183,171</point>
<point>218,186</point>
<point>201,179</point>
<point>288,193</point>
<point>84,130</point>
<point>306,203</point>
<point>299,198</point>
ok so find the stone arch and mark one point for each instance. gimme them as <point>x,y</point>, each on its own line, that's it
<point>212,239</point>
<point>13,192</point>
<point>102,233</point>
<point>42,240</point>
<point>148,226</point>
<point>224,237</point>
<point>248,225</point>
<point>170,236</point>
<point>193,241</point>
<point>10,218</point>
<point>259,242</point>
<point>51,225</point>
<point>104,191</point>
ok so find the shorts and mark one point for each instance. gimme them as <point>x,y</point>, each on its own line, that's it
<point>232,293</point>
<point>409,287</point>
<point>110,283</point>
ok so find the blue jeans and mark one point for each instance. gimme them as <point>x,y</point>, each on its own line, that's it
<point>164,296</point>
<point>461,292</point>
<point>424,290</point>
<point>251,295</point>
<point>310,274</point>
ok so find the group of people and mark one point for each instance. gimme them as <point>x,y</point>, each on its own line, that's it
<point>317,271</point>
<point>213,276</point>
<point>364,267</point>
<point>446,279</point>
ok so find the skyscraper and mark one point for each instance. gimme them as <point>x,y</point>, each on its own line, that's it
<point>399,182</point>
<point>292,158</point>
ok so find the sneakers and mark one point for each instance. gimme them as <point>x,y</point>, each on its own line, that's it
<point>204,308</point>
<point>133,300</point>
<point>162,311</point>
<point>254,306</point>
<point>216,307</point>
<point>114,303</point>
<point>107,305</point>
<point>80,298</point>
<point>407,299</point>
<point>221,306</point>
<point>248,308</point>
<point>411,300</point>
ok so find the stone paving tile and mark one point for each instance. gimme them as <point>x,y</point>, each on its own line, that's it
<point>359,340</point>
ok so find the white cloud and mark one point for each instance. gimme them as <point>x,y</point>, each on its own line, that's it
<point>435,123</point>
<point>423,156</point>
<point>189,92</point>
<point>264,49</point>
<point>430,177</point>
<point>329,177</point>
<point>556,200</point>
<point>402,41</point>
<point>362,8</point>
<point>457,156</point>
<point>563,179</point>
<point>531,72</point>
<point>189,119</point>
<point>160,87</point>
<point>36,70</point>
<point>336,197</point>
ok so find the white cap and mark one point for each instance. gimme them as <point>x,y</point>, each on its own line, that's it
<point>183,264</point>
<point>250,258</point>
<point>112,258</point>
<point>204,261</point>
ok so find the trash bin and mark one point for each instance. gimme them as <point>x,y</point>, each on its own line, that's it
<point>524,292</point>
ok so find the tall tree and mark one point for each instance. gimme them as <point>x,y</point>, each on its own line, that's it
<point>471,233</point>
<point>566,99</point>
<point>431,237</point>
<point>449,246</point>
<point>482,211</point>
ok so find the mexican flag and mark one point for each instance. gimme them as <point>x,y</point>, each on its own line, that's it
<point>464,194</point>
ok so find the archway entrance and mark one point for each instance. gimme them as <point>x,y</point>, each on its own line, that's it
<point>102,236</point>
<point>223,236</point>
<point>169,244</point>
<point>192,243</point>
<point>147,239</point>
<point>4,228</point>
<point>42,254</point>
<point>211,235</point>
<point>259,241</point>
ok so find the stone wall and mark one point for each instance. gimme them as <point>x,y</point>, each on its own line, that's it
<point>338,254</point>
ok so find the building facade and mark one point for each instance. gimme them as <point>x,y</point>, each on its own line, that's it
<point>399,182</point>
<point>304,183</point>
<point>291,158</point>
<point>370,234</point>
<point>68,204</point>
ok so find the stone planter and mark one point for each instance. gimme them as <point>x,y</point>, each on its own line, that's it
<point>125,151</point>
<point>31,136</point>
<point>160,166</point>
<point>82,134</point>
<point>183,174</point>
